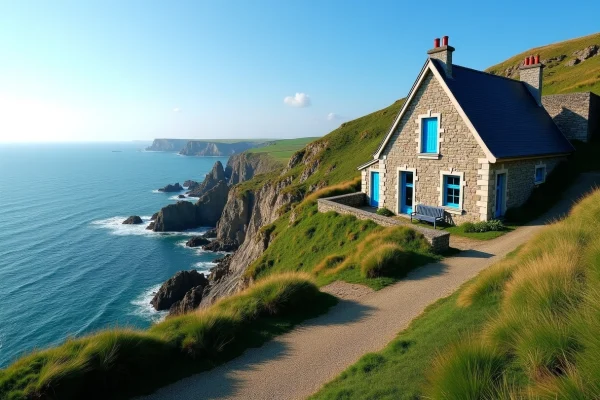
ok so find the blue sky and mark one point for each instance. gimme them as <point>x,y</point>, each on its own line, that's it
<point>132,70</point>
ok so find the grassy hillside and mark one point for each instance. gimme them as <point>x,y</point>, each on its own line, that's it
<point>527,327</point>
<point>282,150</point>
<point>121,363</point>
<point>558,77</point>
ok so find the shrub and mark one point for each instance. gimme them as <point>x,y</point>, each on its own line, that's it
<point>483,226</point>
<point>384,211</point>
<point>469,370</point>
<point>385,260</point>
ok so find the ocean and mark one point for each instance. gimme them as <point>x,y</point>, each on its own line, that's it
<point>67,264</point>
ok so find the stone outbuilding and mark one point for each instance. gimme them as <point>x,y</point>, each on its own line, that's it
<point>471,142</point>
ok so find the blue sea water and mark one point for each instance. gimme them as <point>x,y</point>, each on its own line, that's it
<point>67,264</point>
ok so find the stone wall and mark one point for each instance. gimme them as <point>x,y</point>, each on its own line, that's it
<point>348,203</point>
<point>520,179</point>
<point>459,154</point>
<point>594,121</point>
<point>571,113</point>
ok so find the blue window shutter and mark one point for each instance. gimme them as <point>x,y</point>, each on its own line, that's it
<point>429,136</point>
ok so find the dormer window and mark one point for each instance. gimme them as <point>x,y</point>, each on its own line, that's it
<point>428,135</point>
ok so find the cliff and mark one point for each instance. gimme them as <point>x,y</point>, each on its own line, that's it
<point>202,148</point>
<point>168,144</point>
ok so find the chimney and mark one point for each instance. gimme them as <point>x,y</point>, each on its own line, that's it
<point>531,75</point>
<point>443,53</point>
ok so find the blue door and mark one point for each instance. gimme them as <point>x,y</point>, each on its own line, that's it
<point>406,192</point>
<point>374,189</point>
<point>500,189</point>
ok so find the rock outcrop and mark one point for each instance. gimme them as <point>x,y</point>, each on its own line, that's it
<point>190,184</point>
<point>181,196</point>
<point>216,174</point>
<point>171,188</point>
<point>190,301</point>
<point>197,241</point>
<point>176,288</point>
<point>133,220</point>
<point>184,215</point>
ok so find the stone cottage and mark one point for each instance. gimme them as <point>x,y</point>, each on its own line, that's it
<point>471,142</point>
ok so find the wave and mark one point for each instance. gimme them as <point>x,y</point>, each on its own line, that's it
<point>116,226</point>
<point>144,309</point>
<point>191,199</point>
<point>204,266</point>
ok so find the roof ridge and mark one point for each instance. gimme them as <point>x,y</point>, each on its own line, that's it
<point>487,73</point>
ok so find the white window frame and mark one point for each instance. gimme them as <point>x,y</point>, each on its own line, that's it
<point>462,184</point>
<point>419,132</point>
<point>399,186</point>
<point>541,165</point>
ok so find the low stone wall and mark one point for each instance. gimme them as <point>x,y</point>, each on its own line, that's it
<point>349,203</point>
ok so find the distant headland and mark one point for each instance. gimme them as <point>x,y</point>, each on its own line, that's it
<point>194,147</point>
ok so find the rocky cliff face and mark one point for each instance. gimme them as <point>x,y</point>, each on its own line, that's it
<point>201,148</point>
<point>246,213</point>
<point>242,167</point>
<point>167,144</point>
<point>216,175</point>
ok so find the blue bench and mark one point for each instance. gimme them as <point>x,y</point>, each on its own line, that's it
<point>428,213</point>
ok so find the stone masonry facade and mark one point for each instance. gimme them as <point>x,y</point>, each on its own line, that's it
<point>577,115</point>
<point>459,154</point>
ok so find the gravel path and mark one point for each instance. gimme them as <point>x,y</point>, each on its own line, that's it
<point>297,364</point>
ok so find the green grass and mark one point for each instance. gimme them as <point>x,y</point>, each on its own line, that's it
<point>525,328</point>
<point>398,371</point>
<point>282,150</point>
<point>333,247</point>
<point>121,363</point>
<point>559,78</point>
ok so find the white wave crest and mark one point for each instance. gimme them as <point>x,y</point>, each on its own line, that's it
<point>144,309</point>
<point>116,226</point>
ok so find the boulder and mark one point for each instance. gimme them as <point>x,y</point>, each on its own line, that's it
<point>190,301</point>
<point>190,184</point>
<point>133,220</point>
<point>209,234</point>
<point>221,245</point>
<point>176,217</point>
<point>171,188</point>
<point>181,196</point>
<point>197,241</point>
<point>176,288</point>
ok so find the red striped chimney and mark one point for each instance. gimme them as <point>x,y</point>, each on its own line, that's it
<point>443,54</point>
<point>436,43</point>
<point>531,75</point>
<point>445,41</point>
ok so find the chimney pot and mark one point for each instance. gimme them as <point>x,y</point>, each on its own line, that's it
<point>445,41</point>
<point>526,61</point>
<point>436,43</point>
<point>531,60</point>
<point>537,59</point>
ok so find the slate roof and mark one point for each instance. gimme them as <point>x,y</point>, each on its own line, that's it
<point>505,114</point>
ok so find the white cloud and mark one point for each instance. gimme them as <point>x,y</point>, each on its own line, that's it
<point>333,116</point>
<point>299,100</point>
<point>176,110</point>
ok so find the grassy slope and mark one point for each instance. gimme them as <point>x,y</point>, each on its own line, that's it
<point>558,78</point>
<point>282,150</point>
<point>121,363</point>
<point>527,327</point>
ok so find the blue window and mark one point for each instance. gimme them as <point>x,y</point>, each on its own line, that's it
<point>429,135</point>
<point>452,191</point>
<point>540,174</point>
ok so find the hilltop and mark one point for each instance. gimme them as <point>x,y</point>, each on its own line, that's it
<point>571,66</point>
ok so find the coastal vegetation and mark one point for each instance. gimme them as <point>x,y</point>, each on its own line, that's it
<point>523,328</point>
<point>121,362</point>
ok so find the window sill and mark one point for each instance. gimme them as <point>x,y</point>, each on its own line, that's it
<point>429,156</point>
<point>455,211</point>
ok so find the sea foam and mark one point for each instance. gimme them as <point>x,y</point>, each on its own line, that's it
<point>116,226</point>
<point>144,309</point>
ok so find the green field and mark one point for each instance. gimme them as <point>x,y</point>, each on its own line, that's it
<point>283,149</point>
